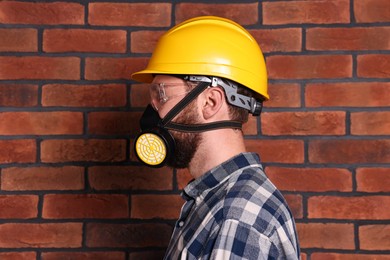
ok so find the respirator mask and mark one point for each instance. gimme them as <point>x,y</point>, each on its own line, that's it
<point>155,146</point>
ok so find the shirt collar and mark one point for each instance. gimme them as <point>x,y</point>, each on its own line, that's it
<point>217,175</point>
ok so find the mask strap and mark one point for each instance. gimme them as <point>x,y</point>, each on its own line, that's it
<point>203,127</point>
<point>184,102</point>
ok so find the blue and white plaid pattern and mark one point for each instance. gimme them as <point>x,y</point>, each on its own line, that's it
<point>234,212</point>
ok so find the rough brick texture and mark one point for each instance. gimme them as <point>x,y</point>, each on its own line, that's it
<point>152,206</point>
<point>38,235</point>
<point>42,178</point>
<point>39,68</point>
<point>306,12</point>
<point>235,12</point>
<point>85,206</point>
<point>370,11</point>
<point>65,40</point>
<point>19,40</point>
<point>70,183</point>
<point>18,95</point>
<point>134,14</point>
<point>68,95</point>
<point>326,235</point>
<point>41,13</point>
<point>41,123</point>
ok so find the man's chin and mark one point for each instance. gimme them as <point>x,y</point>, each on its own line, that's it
<point>186,146</point>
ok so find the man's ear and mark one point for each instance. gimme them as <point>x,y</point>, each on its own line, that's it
<point>214,98</point>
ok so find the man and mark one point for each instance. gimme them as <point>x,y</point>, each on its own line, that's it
<point>206,74</point>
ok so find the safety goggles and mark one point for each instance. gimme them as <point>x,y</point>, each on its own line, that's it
<point>161,93</point>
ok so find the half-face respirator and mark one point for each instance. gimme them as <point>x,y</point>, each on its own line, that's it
<point>155,146</point>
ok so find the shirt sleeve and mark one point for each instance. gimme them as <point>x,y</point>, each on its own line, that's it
<point>236,240</point>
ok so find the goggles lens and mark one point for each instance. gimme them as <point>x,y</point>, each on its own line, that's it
<point>161,93</point>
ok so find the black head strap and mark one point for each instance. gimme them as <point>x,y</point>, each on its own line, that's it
<point>166,121</point>
<point>184,102</point>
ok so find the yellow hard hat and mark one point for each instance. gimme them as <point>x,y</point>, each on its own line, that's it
<point>209,46</point>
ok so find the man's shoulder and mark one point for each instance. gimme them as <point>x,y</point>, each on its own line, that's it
<point>251,184</point>
<point>253,200</point>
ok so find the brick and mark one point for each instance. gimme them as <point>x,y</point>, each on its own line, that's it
<point>374,237</point>
<point>47,235</point>
<point>327,236</point>
<point>17,151</point>
<point>370,11</point>
<point>41,123</point>
<point>148,255</point>
<point>348,38</point>
<point>69,95</point>
<point>133,156</point>
<point>278,40</point>
<point>295,204</point>
<point>71,206</point>
<point>284,95</point>
<point>301,12</point>
<point>373,179</point>
<point>281,151</point>
<point>244,14</point>
<point>250,127</point>
<point>41,13</point>
<point>139,95</point>
<point>316,179</point>
<point>370,123</point>
<point>112,68</point>
<point>18,40</point>
<point>39,68</point>
<point>129,178</point>
<point>114,123</point>
<point>144,41</point>
<point>18,95</point>
<point>156,206</point>
<point>183,177</point>
<point>373,66</point>
<point>130,14</point>
<point>303,123</point>
<point>340,256</point>
<point>42,178</point>
<point>309,66</point>
<point>357,94</point>
<point>17,255</point>
<point>92,150</point>
<point>349,151</point>
<point>356,208</point>
<point>83,255</point>
<point>127,235</point>
<point>18,206</point>
<point>84,40</point>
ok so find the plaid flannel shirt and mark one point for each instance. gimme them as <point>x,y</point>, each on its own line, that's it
<point>234,212</point>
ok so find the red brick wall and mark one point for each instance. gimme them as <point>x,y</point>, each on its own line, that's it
<point>70,186</point>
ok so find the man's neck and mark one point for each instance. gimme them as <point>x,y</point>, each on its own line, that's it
<point>215,148</point>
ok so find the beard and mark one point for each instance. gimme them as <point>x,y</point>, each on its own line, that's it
<point>186,143</point>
